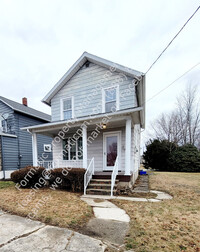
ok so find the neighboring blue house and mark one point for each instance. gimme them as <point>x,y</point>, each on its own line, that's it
<point>15,144</point>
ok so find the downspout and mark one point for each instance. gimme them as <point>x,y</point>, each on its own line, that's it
<point>31,143</point>
<point>18,144</point>
<point>2,158</point>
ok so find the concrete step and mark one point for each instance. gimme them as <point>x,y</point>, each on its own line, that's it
<point>102,181</point>
<point>100,191</point>
<point>101,186</point>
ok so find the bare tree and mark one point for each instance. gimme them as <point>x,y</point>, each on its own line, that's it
<point>182,125</point>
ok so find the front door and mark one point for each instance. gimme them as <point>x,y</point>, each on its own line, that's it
<point>111,144</point>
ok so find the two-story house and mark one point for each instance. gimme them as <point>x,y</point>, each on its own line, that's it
<point>16,145</point>
<point>98,111</point>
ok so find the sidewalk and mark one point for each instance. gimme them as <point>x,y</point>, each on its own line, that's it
<point>21,235</point>
<point>110,223</point>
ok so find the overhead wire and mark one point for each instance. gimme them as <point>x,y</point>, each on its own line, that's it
<point>172,40</point>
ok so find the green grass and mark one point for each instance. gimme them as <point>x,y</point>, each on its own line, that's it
<point>5,184</point>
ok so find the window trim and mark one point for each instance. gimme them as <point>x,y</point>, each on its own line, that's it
<point>61,107</point>
<point>104,96</point>
<point>69,153</point>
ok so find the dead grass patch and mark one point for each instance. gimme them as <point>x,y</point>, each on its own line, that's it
<point>55,207</point>
<point>147,195</point>
<point>170,225</point>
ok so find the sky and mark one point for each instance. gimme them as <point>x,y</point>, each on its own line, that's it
<point>41,39</point>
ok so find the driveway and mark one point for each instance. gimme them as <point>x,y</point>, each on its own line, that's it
<point>18,234</point>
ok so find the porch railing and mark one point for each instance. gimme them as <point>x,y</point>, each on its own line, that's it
<point>114,175</point>
<point>88,174</point>
<point>62,163</point>
<point>46,164</point>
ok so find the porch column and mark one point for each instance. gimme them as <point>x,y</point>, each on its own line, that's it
<point>128,147</point>
<point>34,149</point>
<point>84,147</point>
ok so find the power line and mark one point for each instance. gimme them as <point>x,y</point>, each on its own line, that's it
<point>173,82</point>
<point>172,40</point>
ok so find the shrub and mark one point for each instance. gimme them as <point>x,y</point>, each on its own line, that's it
<point>27,177</point>
<point>166,156</point>
<point>157,155</point>
<point>185,159</point>
<point>73,181</point>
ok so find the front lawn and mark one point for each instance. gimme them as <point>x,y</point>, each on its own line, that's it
<point>55,207</point>
<point>170,225</point>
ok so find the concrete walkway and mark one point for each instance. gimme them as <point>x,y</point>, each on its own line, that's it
<point>110,223</point>
<point>160,196</point>
<point>19,234</point>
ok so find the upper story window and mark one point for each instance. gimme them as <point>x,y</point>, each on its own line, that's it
<point>67,108</point>
<point>111,99</point>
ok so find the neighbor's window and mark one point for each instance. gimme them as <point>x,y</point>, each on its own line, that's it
<point>4,126</point>
<point>111,99</point>
<point>72,149</point>
<point>67,108</point>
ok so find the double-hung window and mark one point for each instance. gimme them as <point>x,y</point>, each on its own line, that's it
<point>72,149</point>
<point>110,99</point>
<point>67,105</point>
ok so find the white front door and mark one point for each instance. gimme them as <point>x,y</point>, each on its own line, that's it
<point>111,149</point>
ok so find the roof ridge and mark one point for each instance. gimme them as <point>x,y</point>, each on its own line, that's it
<point>25,109</point>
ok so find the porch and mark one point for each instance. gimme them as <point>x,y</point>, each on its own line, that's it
<point>106,146</point>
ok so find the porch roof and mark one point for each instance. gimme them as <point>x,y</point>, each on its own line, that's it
<point>51,128</point>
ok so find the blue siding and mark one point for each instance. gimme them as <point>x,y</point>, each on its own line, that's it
<point>17,151</point>
<point>25,140</point>
<point>10,153</point>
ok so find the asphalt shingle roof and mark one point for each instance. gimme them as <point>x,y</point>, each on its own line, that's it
<point>25,109</point>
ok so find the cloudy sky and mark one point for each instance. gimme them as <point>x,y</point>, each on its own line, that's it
<point>41,39</point>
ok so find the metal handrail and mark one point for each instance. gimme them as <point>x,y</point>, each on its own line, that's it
<point>88,174</point>
<point>114,175</point>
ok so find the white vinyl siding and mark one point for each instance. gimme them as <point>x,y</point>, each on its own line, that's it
<point>86,88</point>
<point>135,148</point>
<point>95,149</point>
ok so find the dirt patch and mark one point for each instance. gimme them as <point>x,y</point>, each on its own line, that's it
<point>108,230</point>
<point>98,200</point>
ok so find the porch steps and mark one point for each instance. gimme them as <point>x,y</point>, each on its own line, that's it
<point>101,187</point>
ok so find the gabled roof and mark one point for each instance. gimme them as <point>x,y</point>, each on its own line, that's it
<point>79,63</point>
<point>25,110</point>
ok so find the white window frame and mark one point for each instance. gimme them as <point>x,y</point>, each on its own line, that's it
<point>119,149</point>
<point>104,97</point>
<point>47,145</point>
<point>61,107</point>
<point>69,153</point>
